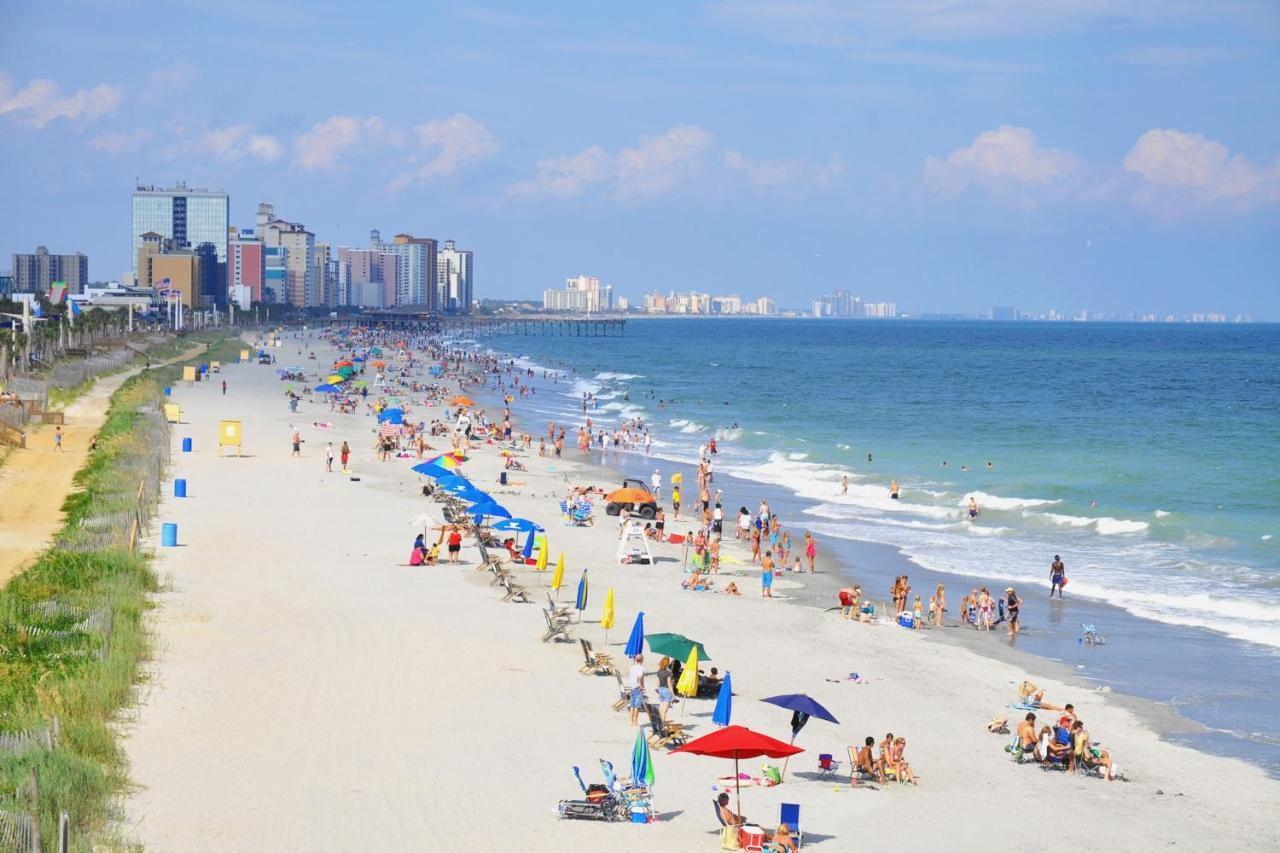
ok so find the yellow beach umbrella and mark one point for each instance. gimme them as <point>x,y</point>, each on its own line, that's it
<point>606,618</point>
<point>688,683</point>
<point>541,565</point>
<point>557,577</point>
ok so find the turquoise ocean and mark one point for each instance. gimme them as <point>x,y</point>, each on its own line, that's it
<point>1148,456</point>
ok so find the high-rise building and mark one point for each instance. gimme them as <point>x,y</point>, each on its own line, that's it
<point>580,293</point>
<point>34,273</point>
<point>764,305</point>
<point>300,287</point>
<point>275,284</point>
<point>368,277</point>
<point>418,277</point>
<point>246,269</point>
<point>185,215</point>
<point>164,266</point>
<point>454,268</point>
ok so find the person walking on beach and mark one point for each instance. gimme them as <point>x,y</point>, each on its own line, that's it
<point>224,387</point>
<point>655,484</point>
<point>636,683</point>
<point>297,444</point>
<point>766,575</point>
<point>344,454</point>
<point>57,439</point>
<point>1057,576</point>
<point>810,549</point>
<point>328,457</point>
<point>675,502</point>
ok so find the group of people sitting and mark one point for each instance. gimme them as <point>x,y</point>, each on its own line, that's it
<point>890,763</point>
<point>1065,744</point>
<point>781,841</point>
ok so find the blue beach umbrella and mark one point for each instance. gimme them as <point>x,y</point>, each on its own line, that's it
<point>724,703</point>
<point>326,388</point>
<point>641,766</point>
<point>635,643</point>
<point>802,706</point>
<point>527,553</point>
<point>580,603</point>
<point>395,416</point>
<point>488,508</point>
<point>453,480</point>
<point>518,525</point>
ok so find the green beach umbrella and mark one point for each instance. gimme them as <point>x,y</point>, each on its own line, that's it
<point>641,765</point>
<point>675,645</point>
<point>359,383</point>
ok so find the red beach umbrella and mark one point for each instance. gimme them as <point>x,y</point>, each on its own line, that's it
<point>739,742</point>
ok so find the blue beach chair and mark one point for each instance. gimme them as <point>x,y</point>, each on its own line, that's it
<point>789,813</point>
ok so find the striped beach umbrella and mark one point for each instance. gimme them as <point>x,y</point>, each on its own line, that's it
<point>724,703</point>
<point>641,766</point>
<point>389,429</point>
<point>580,603</point>
<point>635,643</point>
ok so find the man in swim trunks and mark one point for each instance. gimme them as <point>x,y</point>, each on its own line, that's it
<point>1027,734</point>
<point>1057,576</point>
<point>1013,605</point>
<point>766,575</point>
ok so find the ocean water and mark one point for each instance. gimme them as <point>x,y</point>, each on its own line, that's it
<point>1148,456</point>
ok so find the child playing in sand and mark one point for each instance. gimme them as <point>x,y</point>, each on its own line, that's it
<point>795,567</point>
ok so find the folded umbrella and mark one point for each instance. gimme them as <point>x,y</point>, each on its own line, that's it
<point>641,766</point>
<point>580,602</point>
<point>724,703</point>
<point>635,643</point>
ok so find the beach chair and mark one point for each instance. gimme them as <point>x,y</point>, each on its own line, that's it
<point>789,813</point>
<point>593,662</point>
<point>514,592</point>
<point>827,765</point>
<point>624,694</point>
<point>858,776</point>
<point>661,732</point>
<point>557,629</point>
<point>557,610</point>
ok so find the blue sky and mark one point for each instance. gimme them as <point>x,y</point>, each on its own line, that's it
<point>1106,154</point>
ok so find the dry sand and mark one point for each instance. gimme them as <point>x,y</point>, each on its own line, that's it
<point>35,481</point>
<point>313,692</point>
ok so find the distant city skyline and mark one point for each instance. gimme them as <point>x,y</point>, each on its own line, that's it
<point>1120,157</point>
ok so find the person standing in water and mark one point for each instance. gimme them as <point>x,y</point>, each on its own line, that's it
<point>973,508</point>
<point>1057,576</point>
<point>893,490</point>
<point>844,484</point>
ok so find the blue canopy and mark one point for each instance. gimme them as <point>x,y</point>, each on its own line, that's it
<point>488,508</point>
<point>635,643</point>
<point>724,703</point>
<point>326,388</point>
<point>395,416</point>
<point>453,479</point>
<point>519,525</point>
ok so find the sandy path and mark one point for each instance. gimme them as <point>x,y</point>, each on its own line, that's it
<point>34,482</point>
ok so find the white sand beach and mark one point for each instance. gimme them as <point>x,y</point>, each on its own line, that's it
<point>311,691</point>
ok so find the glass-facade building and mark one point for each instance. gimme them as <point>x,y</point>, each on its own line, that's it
<point>187,216</point>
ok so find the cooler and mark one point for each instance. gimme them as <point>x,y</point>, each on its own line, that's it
<point>906,620</point>
<point>751,838</point>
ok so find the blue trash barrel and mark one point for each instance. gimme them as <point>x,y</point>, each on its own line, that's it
<point>168,391</point>
<point>169,535</point>
<point>186,445</point>
<point>180,488</point>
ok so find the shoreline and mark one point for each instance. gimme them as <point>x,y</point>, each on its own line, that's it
<point>1099,667</point>
<point>367,702</point>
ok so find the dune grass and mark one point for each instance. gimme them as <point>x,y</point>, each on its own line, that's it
<point>72,631</point>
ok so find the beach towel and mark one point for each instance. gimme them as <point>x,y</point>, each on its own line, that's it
<point>323,425</point>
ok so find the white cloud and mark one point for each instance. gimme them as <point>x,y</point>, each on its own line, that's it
<point>660,164</point>
<point>834,23</point>
<point>567,177</point>
<point>1007,160</point>
<point>41,102</point>
<point>656,166</point>
<point>1173,165</point>
<point>790,177</point>
<point>237,142</point>
<point>115,143</point>
<point>455,142</point>
<point>323,145</point>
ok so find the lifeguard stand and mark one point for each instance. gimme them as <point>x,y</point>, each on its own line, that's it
<point>229,435</point>
<point>634,547</point>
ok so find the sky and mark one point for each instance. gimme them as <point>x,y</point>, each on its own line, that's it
<point>1109,155</point>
